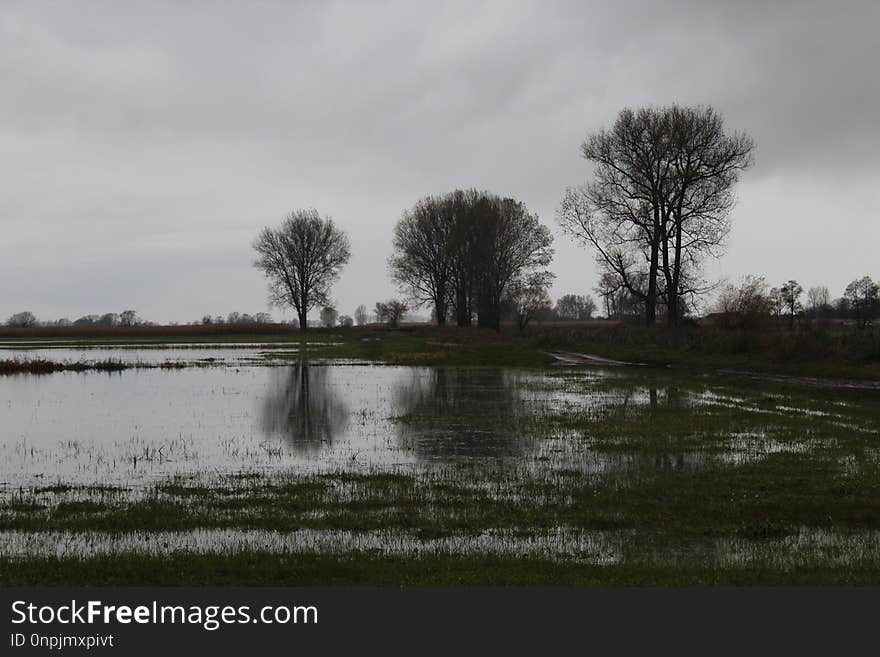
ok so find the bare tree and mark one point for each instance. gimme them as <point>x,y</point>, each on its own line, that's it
<point>511,245</point>
<point>746,303</point>
<point>659,201</point>
<point>346,321</point>
<point>329,316</point>
<point>423,254</point>
<point>790,294</point>
<point>128,318</point>
<point>575,306</point>
<point>390,312</point>
<point>863,295</point>
<point>360,315</point>
<point>818,300</point>
<point>24,319</point>
<point>301,260</point>
<point>528,297</point>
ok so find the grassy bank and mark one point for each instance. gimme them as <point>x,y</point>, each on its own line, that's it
<point>832,352</point>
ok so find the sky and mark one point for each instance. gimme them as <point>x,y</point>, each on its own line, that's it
<point>144,145</point>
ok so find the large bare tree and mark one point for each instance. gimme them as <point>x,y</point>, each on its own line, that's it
<point>659,201</point>
<point>463,250</point>
<point>511,244</point>
<point>301,260</point>
<point>423,254</point>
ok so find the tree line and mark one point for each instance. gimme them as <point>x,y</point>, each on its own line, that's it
<point>657,205</point>
<point>752,301</point>
<point>130,318</point>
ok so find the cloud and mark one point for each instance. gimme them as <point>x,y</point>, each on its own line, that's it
<point>146,143</point>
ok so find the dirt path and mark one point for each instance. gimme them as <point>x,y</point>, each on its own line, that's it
<point>570,358</point>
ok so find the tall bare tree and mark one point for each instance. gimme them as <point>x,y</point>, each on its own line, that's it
<point>659,200</point>
<point>423,253</point>
<point>511,244</point>
<point>301,260</point>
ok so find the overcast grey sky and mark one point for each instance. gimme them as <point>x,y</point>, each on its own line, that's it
<point>145,144</point>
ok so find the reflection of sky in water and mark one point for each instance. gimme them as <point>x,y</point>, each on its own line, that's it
<point>139,425</point>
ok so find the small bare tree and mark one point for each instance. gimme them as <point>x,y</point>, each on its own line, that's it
<point>301,260</point>
<point>790,293</point>
<point>360,315</point>
<point>863,295</point>
<point>528,297</point>
<point>329,316</point>
<point>390,312</point>
<point>818,300</point>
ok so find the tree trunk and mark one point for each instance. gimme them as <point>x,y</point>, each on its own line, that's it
<point>651,295</point>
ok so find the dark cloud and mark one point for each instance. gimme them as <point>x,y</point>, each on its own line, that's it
<point>146,143</point>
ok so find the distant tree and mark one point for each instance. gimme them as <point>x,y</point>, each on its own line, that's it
<point>863,295</point>
<point>24,319</point>
<point>346,321</point>
<point>329,316</point>
<point>745,303</point>
<point>659,201</point>
<point>263,318</point>
<point>206,319</point>
<point>575,306</point>
<point>390,312</point>
<point>301,260</point>
<point>64,321</point>
<point>128,318</point>
<point>818,301</point>
<point>219,319</point>
<point>777,304</point>
<point>527,298</point>
<point>87,320</point>
<point>790,293</point>
<point>233,318</point>
<point>360,315</point>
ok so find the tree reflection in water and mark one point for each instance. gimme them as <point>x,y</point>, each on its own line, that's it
<point>303,408</point>
<point>449,413</point>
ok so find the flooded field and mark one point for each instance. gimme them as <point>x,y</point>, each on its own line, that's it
<point>258,450</point>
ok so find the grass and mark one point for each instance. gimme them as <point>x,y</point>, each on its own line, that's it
<point>269,569</point>
<point>679,477</point>
<point>45,366</point>
<point>749,484</point>
<point>818,352</point>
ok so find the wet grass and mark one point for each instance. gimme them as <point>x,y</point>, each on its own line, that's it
<point>679,478</point>
<point>45,366</point>
<point>270,569</point>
